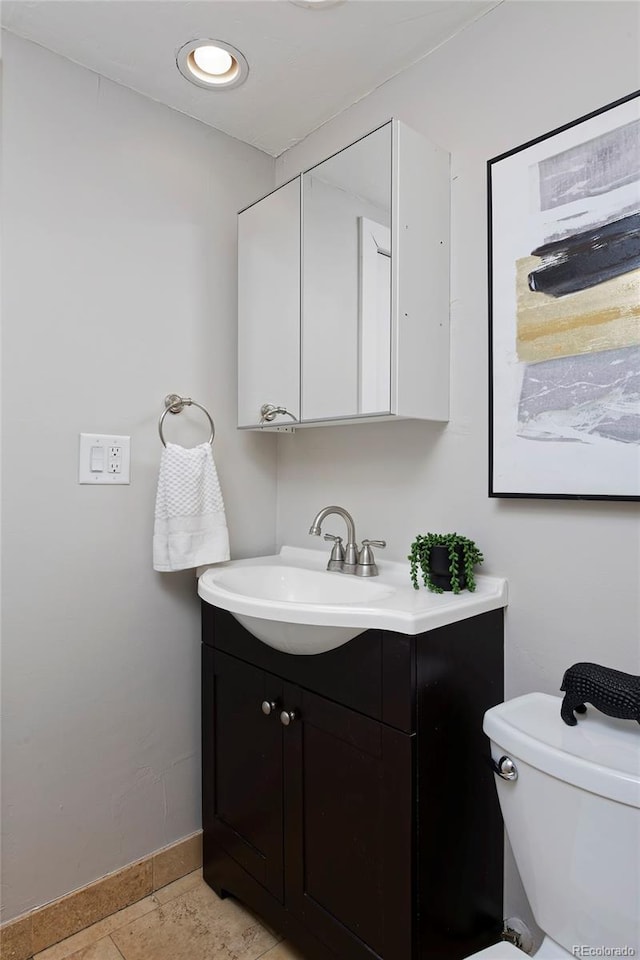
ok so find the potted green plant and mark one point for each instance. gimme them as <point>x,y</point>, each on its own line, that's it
<point>446,561</point>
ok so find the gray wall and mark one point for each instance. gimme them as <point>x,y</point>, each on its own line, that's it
<point>573,568</point>
<point>119,287</point>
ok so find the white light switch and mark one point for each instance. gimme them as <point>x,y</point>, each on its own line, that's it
<point>103,458</point>
<point>97,459</point>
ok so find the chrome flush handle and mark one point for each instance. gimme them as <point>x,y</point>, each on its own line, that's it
<point>505,768</point>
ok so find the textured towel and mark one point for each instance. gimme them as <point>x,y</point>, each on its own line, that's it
<point>190,526</point>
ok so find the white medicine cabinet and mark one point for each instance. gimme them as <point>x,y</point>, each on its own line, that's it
<point>343,289</point>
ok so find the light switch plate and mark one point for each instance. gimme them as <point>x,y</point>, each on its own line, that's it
<point>104,458</point>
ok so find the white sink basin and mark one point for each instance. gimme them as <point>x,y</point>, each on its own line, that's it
<point>292,603</point>
<point>289,589</point>
<point>285,584</point>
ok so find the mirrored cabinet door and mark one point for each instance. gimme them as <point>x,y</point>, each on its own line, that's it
<point>343,296</point>
<point>269,307</point>
<point>346,282</point>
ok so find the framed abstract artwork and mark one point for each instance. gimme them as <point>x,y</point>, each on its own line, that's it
<point>564,311</point>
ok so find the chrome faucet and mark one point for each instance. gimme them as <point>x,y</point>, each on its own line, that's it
<point>348,559</point>
<point>345,560</point>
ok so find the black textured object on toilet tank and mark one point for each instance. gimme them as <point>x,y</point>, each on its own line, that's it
<point>611,691</point>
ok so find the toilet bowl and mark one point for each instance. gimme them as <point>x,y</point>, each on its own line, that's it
<point>570,799</point>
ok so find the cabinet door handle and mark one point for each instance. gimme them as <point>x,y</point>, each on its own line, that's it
<point>269,411</point>
<point>287,717</point>
<point>268,707</point>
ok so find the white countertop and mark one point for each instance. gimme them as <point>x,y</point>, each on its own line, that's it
<point>395,605</point>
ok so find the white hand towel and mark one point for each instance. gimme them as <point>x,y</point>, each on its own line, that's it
<point>190,525</point>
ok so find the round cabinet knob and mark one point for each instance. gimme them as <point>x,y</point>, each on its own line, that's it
<point>268,706</point>
<point>287,717</point>
<point>505,768</point>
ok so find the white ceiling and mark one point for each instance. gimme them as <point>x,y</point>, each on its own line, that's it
<point>306,65</point>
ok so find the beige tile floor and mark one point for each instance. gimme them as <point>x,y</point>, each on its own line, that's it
<point>183,921</point>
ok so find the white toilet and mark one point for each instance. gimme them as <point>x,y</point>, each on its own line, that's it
<point>572,813</point>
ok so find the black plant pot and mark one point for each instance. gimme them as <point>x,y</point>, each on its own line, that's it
<point>439,564</point>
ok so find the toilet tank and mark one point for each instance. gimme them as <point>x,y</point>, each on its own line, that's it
<point>573,819</point>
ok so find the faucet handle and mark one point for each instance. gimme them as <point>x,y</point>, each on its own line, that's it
<point>366,561</point>
<point>337,554</point>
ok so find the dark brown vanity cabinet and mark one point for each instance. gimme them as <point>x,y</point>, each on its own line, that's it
<point>366,825</point>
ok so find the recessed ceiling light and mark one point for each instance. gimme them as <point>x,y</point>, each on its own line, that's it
<point>213,64</point>
<point>316,4</point>
<point>213,61</point>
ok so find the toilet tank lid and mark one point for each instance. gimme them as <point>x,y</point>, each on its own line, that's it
<point>599,754</point>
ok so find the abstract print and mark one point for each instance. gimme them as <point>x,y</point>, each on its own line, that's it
<point>564,235</point>
<point>578,295</point>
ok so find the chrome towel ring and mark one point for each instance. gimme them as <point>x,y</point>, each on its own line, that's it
<point>176,404</point>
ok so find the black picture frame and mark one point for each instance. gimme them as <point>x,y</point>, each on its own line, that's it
<point>564,330</point>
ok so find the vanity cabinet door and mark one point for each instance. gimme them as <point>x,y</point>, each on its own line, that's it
<point>269,306</point>
<point>349,828</point>
<point>242,766</point>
